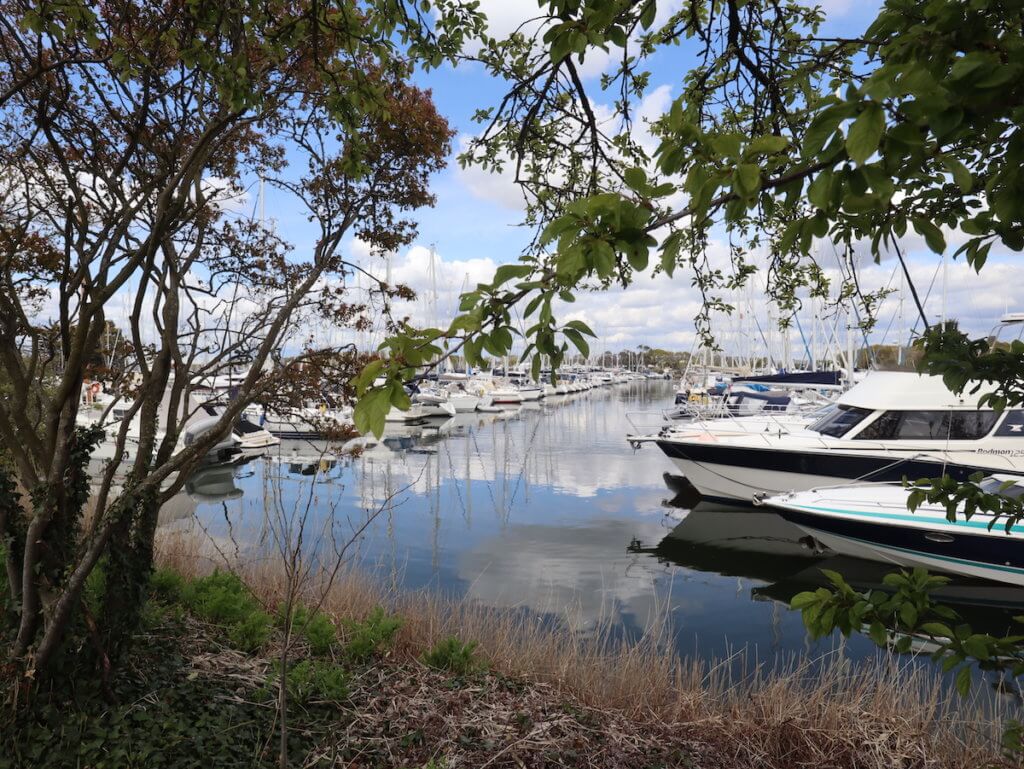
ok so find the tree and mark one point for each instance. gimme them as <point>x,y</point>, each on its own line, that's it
<point>781,137</point>
<point>128,132</point>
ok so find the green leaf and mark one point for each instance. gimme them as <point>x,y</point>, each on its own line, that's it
<point>464,323</point>
<point>822,128</point>
<point>506,272</point>
<point>766,145</point>
<point>961,175</point>
<point>580,326</point>
<point>636,179</point>
<point>577,339</point>
<point>877,633</point>
<point>366,377</point>
<point>604,257</point>
<point>371,409</point>
<point>647,14</point>
<point>803,600</point>
<point>963,680</point>
<point>937,629</point>
<point>504,337</point>
<point>932,234</point>
<point>561,46</point>
<point>819,192</point>
<point>865,133</point>
<point>747,180</point>
<point>977,646</point>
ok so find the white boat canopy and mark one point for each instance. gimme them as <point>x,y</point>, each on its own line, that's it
<point>908,391</point>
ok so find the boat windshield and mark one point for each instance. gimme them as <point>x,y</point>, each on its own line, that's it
<point>994,485</point>
<point>839,420</point>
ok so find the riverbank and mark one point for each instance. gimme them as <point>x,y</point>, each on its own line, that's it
<point>451,684</point>
<point>820,713</point>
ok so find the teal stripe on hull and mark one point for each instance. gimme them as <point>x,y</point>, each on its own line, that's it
<point>909,517</point>
<point>922,554</point>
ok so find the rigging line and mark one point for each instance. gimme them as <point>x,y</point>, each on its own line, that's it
<point>522,470</point>
<point>928,293</point>
<point>760,333</point>
<point>847,261</point>
<point>910,282</point>
<point>892,318</point>
<point>803,339</point>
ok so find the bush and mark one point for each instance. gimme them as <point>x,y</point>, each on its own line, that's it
<point>250,633</point>
<point>167,585</point>
<point>310,680</point>
<point>316,627</point>
<point>320,633</point>
<point>453,656</point>
<point>222,598</point>
<point>371,636</point>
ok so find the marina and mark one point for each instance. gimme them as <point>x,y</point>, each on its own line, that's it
<point>451,384</point>
<point>545,509</point>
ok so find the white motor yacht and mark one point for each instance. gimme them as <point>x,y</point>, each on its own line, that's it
<point>304,422</point>
<point>872,521</point>
<point>891,425</point>
<point>530,392</point>
<point>456,395</point>
<point>195,422</point>
<point>250,435</point>
<point>506,396</point>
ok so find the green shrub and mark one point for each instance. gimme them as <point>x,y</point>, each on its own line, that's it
<point>371,636</point>
<point>453,656</point>
<point>310,680</point>
<point>222,598</point>
<point>167,585</point>
<point>251,632</point>
<point>96,587</point>
<point>320,633</point>
<point>316,627</point>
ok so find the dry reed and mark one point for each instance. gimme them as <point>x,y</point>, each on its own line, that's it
<point>818,713</point>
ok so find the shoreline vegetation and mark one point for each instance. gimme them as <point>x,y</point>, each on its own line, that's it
<point>433,681</point>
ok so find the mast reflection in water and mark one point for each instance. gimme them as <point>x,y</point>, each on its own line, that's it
<point>548,510</point>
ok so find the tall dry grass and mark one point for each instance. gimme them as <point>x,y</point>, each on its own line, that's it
<point>819,713</point>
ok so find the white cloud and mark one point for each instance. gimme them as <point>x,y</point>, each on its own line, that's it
<point>506,17</point>
<point>659,311</point>
<point>500,188</point>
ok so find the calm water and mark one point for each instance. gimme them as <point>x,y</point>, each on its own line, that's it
<point>550,511</point>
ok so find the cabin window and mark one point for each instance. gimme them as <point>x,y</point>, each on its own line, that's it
<point>1013,425</point>
<point>839,421</point>
<point>930,425</point>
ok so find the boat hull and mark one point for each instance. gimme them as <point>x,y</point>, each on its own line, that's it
<point>735,473</point>
<point>994,557</point>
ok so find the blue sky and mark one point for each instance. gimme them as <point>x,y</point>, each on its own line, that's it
<point>474,224</point>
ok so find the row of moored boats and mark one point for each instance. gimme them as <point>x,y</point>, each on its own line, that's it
<point>839,471</point>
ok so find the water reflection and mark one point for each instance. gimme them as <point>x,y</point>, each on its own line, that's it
<point>546,509</point>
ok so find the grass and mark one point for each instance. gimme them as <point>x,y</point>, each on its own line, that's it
<point>819,713</point>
